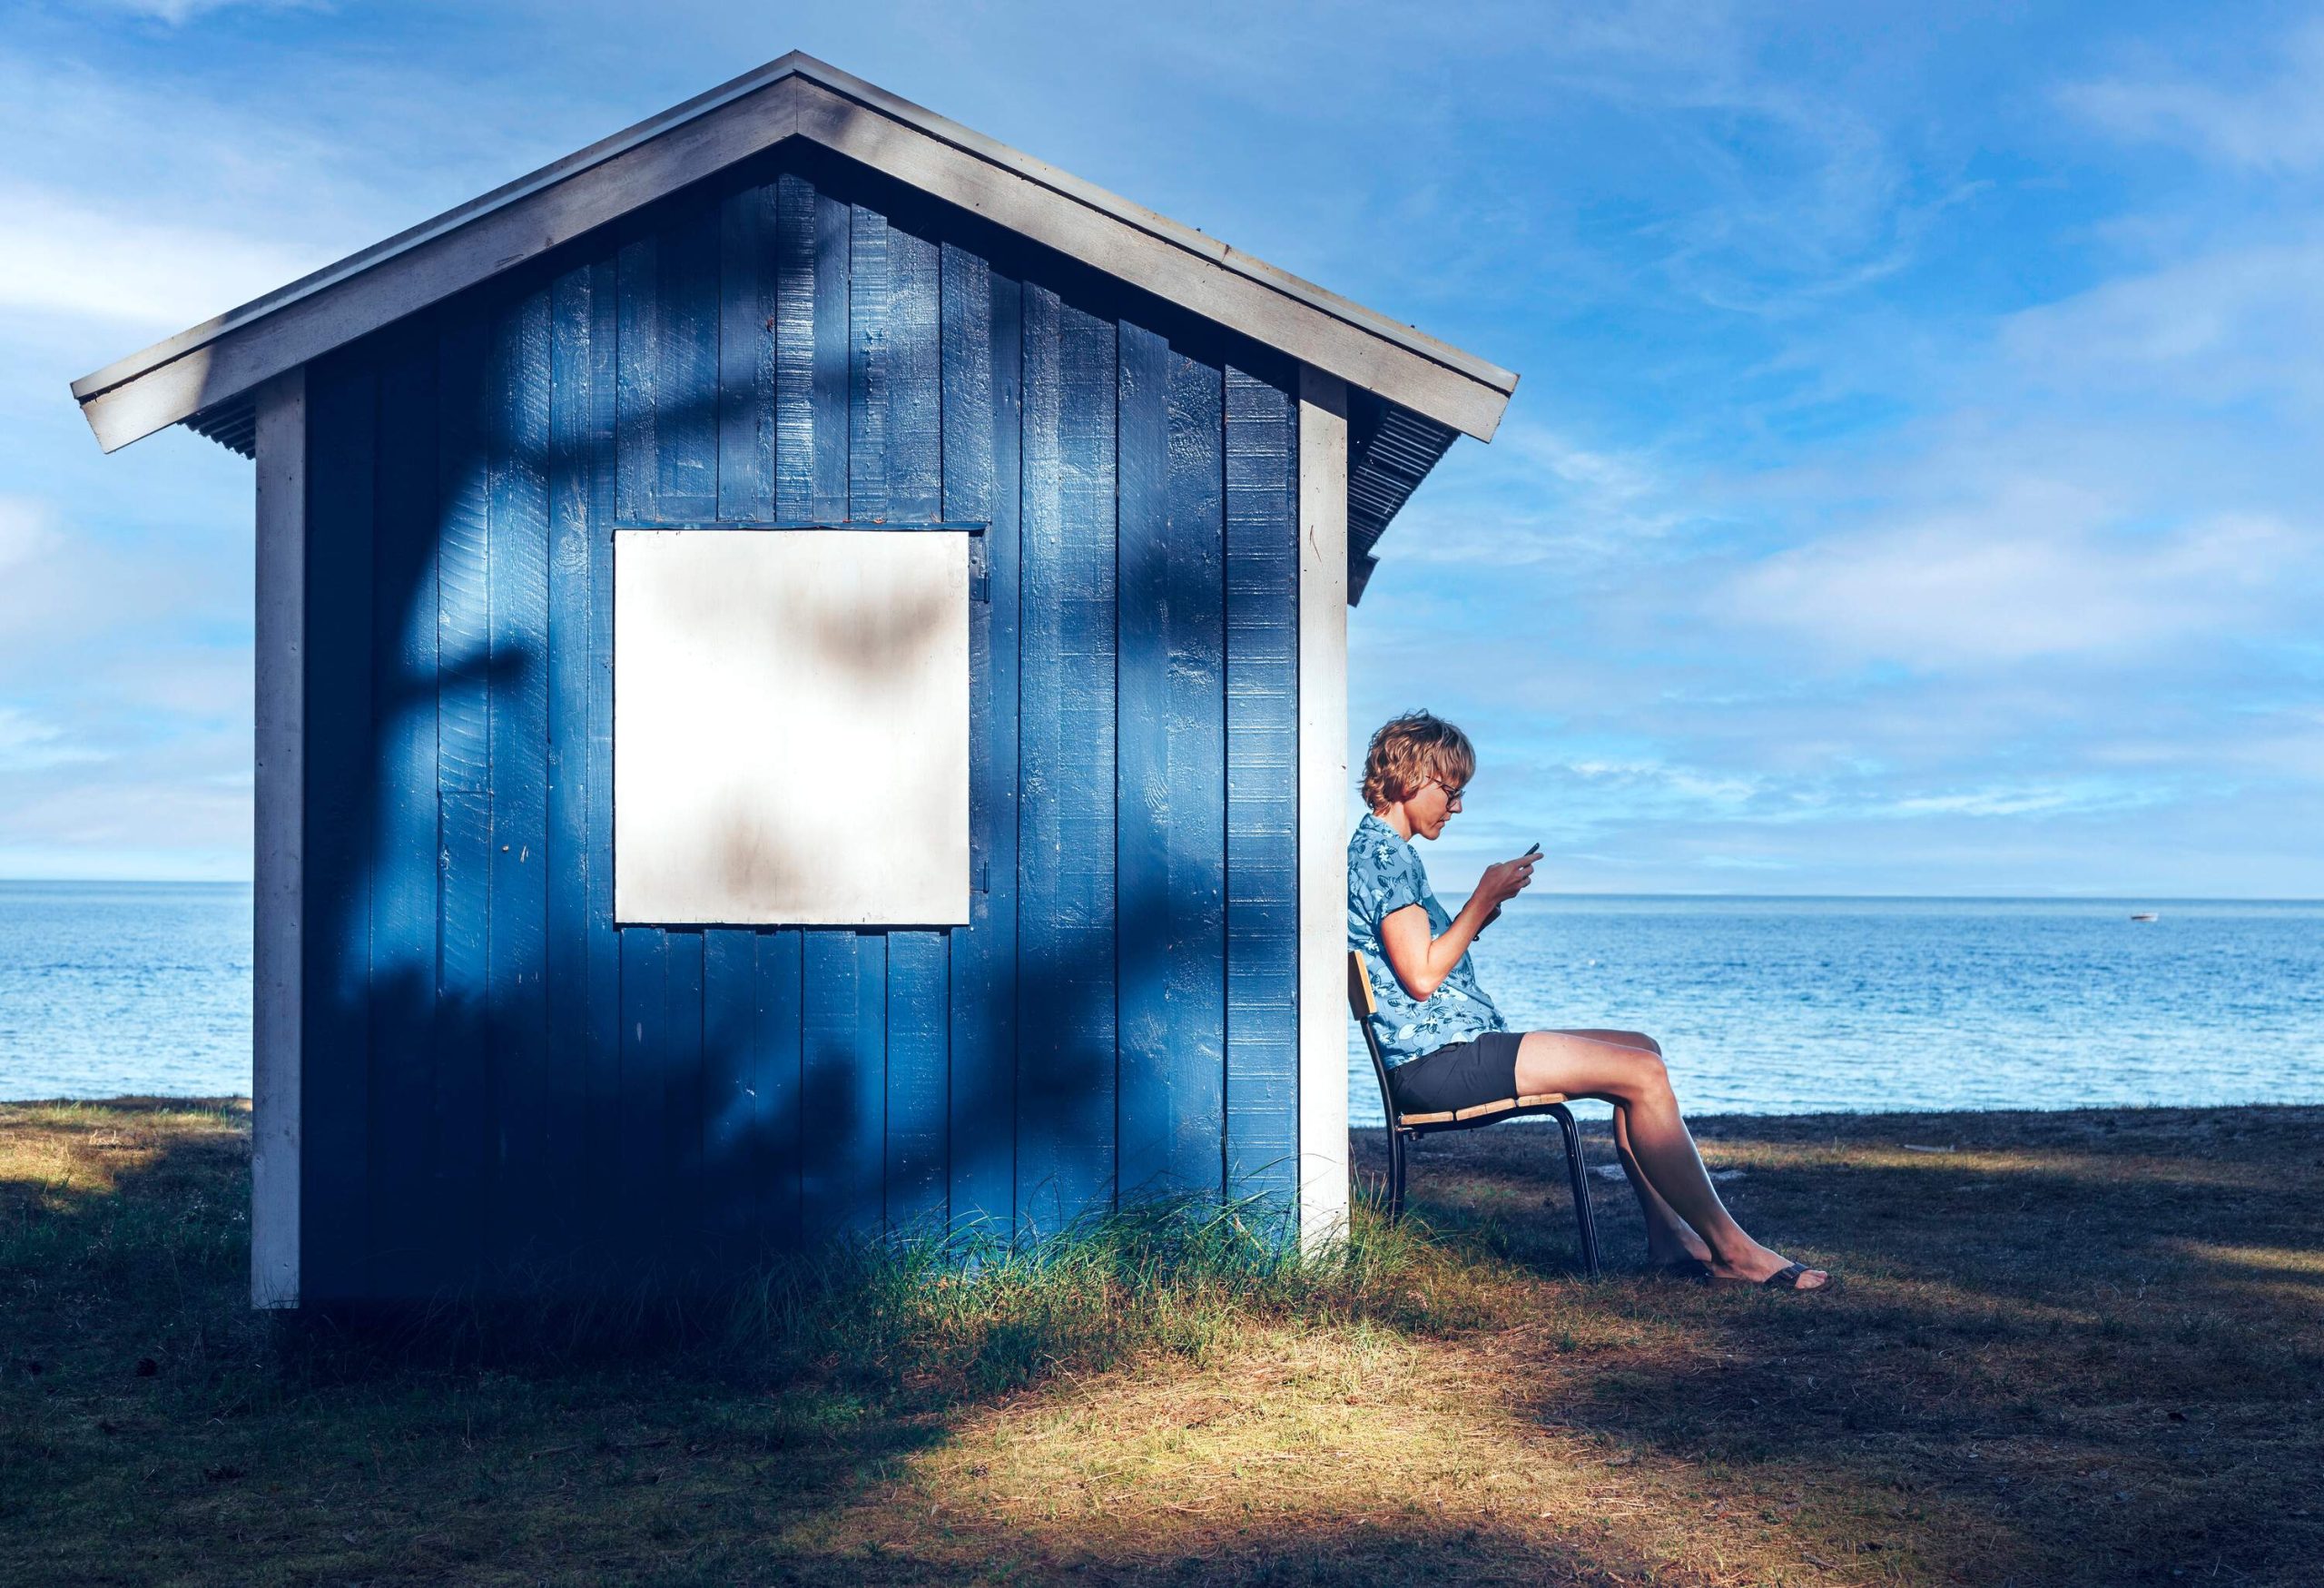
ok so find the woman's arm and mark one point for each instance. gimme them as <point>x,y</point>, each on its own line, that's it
<point>1421,962</point>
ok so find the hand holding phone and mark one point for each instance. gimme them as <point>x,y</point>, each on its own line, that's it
<point>1505,879</point>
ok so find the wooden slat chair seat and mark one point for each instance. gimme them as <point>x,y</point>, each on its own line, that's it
<point>1403,1128</point>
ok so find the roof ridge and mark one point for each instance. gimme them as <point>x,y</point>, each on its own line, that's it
<point>213,361</point>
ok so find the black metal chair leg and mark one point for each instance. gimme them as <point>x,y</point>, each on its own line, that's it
<point>1395,1174</point>
<point>1585,1219</point>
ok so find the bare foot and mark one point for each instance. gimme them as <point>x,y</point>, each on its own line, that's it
<point>1675,1248</point>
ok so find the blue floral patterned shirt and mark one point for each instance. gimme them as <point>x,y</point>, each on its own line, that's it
<point>1383,875</point>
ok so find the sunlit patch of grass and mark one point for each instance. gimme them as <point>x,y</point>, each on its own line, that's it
<point>64,1150</point>
<point>2263,1259</point>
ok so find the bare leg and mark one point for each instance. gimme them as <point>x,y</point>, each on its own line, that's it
<point>1668,1237</point>
<point>1660,1153</point>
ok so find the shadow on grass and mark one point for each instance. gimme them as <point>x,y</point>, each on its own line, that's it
<point>150,1416</point>
<point>2100,1376</point>
<point>2089,1340</point>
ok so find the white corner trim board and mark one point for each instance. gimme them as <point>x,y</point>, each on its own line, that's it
<point>279,839</point>
<point>1323,808</point>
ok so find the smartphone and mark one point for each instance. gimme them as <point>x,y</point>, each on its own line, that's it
<point>1535,850</point>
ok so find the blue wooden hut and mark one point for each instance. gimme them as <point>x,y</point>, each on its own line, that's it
<point>523,465</point>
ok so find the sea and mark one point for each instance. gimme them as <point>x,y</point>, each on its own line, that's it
<point>1762,1005</point>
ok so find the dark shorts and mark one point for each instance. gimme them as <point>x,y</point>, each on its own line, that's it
<point>1482,1069</point>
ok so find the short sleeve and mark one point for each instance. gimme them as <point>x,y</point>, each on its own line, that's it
<point>1392,881</point>
<point>1404,885</point>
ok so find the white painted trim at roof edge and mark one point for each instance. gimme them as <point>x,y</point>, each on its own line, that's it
<point>1468,393</point>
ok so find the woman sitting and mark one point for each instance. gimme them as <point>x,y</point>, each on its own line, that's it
<point>1448,1048</point>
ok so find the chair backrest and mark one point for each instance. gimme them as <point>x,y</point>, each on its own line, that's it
<point>1364,1005</point>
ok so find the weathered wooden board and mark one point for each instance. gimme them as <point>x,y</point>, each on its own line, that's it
<point>916,1044</point>
<point>731,1063</point>
<point>517,380</point>
<point>915,377</point>
<point>567,1068</point>
<point>983,404</point>
<point>641,1171</point>
<point>1194,703</point>
<point>829,480</point>
<point>1066,1061</point>
<point>683,1103</point>
<point>1262,790</point>
<point>747,240</point>
<point>604,1132</point>
<point>342,399</point>
<point>795,349</point>
<point>867,365</point>
<point>402,971</point>
<point>778,1121</point>
<point>465,1128</point>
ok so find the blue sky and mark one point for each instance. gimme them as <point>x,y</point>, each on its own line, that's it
<point>1914,485</point>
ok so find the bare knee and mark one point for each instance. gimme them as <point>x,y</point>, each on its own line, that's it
<point>1645,1078</point>
<point>1640,1040</point>
<point>1653,1071</point>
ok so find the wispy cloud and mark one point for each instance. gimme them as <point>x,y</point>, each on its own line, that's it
<point>116,266</point>
<point>2034,571</point>
<point>64,586</point>
<point>2214,328</point>
<point>27,744</point>
<point>27,531</point>
<point>2019,800</point>
<point>1545,498</point>
<point>177,13</point>
<point>2269,117</point>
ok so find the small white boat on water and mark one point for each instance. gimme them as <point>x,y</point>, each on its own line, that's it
<point>2141,915</point>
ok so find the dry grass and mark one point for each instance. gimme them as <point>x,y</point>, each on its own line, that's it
<point>2076,1347</point>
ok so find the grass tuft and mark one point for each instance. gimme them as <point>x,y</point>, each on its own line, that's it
<point>969,1312</point>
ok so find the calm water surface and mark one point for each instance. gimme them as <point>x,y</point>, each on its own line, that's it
<point>107,988</point>
<point>1798,1005</point>
<point>1763,1005</point>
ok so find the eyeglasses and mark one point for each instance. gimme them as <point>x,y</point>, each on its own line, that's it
<point>1452,795</point>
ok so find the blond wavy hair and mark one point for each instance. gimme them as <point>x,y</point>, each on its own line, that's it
<point>1408,750</point>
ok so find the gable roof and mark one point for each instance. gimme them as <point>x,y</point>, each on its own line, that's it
<point>203,375</point>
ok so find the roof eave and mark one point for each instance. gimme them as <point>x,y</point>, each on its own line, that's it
<point>795,97</point>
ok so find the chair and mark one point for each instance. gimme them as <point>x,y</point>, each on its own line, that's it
<point>1361,1004</point>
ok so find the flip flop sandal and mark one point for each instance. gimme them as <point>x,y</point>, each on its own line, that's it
<point>1785,1278</point>
<point>1683,1268</point>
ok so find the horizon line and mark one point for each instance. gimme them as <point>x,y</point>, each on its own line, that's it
<point>1537,898</point>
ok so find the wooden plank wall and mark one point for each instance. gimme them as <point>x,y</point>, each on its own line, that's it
<point>496,1071</point>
